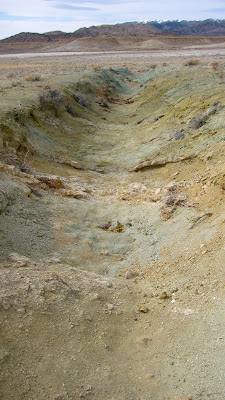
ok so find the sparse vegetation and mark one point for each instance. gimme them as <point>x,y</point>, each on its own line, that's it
<point>11,75</point>
<point>218,70</point>
<point>52,99</point>
<point>17,158</point>
<point>16,84</point>
<point>19,114</point>
<point>32,78</point>
<point>96,67</point>
<point>102,101</point>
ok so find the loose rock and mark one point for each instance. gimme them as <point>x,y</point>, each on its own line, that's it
<point>144,309</point>
<point>164,295</point>
<point>131,274</point>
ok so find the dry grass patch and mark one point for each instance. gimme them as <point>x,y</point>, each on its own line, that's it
<point>215,65</point>
<point>96,67</point>
<point>32,78</point>
<point>192,62</point>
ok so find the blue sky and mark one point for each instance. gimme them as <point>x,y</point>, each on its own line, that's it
<point>69,15</point>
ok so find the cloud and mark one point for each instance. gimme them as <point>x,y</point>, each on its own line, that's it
<point>96,2</point>
<point>72,7</point>
<point>216,10</point>
<point>7,17</point>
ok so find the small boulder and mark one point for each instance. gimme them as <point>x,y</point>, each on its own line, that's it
<point>164,295</point>
<point>131,274</point>
<point>144,309</point>
<point>20,261</point>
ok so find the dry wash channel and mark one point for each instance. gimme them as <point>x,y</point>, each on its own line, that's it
<point>112,234</point>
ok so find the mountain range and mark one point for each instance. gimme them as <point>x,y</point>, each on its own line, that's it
<point>207,27</point>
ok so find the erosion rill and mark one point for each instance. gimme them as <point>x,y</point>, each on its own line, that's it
<point>112,230</point>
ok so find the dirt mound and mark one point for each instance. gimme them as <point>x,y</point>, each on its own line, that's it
<point>91,44</point>
<point>153,44</point>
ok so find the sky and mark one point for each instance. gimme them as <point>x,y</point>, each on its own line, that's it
<point>69,15</point>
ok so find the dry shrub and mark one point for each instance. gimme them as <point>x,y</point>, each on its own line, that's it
<point>19,114</point>
<point>81,99</point>
<point>197,121</point>
<point>219,70</point>
<point>171,201</point>
<point>164,64</point>
<point>15,159</point>
<point>16,84</point>
<point>11,75</point>
<point>104,97</point>
<point>215,65</point>
<point>102,101</point>
<point>24,165</point>
<point>153,66</point>
<point>32,78</point>
<point>67,98</point>
<point>52,99</point>
<point>192,62</point>
<point>52,182</point>
<point>71,110</point>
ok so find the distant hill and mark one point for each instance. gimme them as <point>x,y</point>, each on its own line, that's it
<point>209,27</point>
<point>118,30</point>
<point>150,29</point>
<point>126,29</point>
<point>27,37</point>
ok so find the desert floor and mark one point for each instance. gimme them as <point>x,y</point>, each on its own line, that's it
<point>112,225</point>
